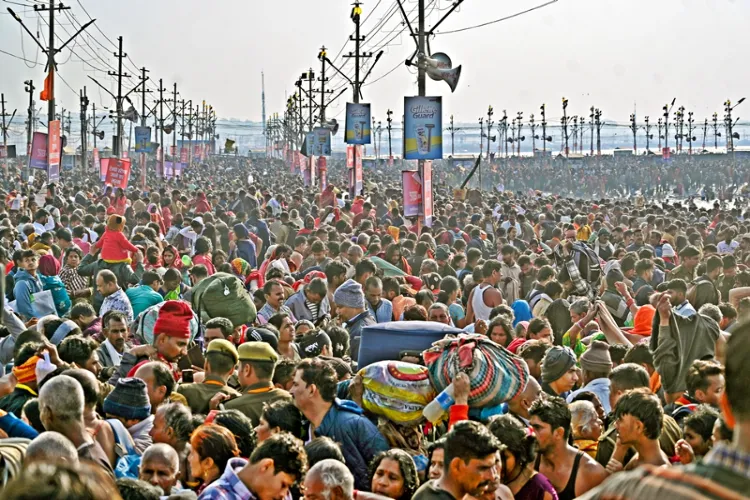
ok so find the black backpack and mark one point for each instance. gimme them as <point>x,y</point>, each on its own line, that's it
<point>586,260</point>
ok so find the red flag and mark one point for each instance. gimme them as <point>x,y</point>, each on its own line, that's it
<point>46,93</point>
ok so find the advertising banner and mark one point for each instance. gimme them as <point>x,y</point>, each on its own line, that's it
<point>142,139</point>
<point>358,120</point>
<point>427,193</point>
<point>54,151</point>
<point>306,167</point>
<point>118,172</point>
<point>8,152</point>
<point>38,157</point>
<point>68,162</point>
<point>96,164</point>
<point>358,185</point>
<point>412,192</point>
<point>423,128</point>
<point>319,142</point>
<point>183,155</point>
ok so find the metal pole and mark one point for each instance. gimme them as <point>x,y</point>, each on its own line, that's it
<point>118,144</point>
<point>84,134</point>
<point>5,134</point>
<point>174,123</point>
<point>51,63</point>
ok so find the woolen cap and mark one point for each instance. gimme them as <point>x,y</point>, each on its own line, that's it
<point>597,358</point>
<point>128,400</point>
<point>313,343</point>
<point>349,294</point>
<point>556,362</point>
<point>262,335</point>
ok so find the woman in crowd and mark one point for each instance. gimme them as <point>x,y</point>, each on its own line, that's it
<point>518,460</point>
<point>393,474</point>
<point>211,447</point>
<point>76,285</point>
<point>284,324</point>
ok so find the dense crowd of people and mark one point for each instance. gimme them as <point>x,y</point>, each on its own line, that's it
<point>234,334</point>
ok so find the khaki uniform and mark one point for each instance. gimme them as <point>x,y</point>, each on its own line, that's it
<point>682,273</point>
<point>198,396</point>
<point>253,399</point>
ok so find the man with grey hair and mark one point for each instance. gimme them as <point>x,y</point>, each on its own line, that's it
<point>439,312</point>
<point>51,446</point>
<point>61,404</point>
<point>329,479</point>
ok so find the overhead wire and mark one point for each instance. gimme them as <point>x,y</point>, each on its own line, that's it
<point>488,23</point>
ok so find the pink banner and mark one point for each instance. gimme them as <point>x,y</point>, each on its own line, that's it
<point>323,171</point>
<point>412,192</point>
<point>118,172</point>
<point>358,184</point>
<point>427,192</point>
<point>38,157</point>
<point>97,165</point>
<point>183,155</point>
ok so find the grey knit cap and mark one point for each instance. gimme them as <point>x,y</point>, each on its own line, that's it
<point>556,362</point>
<point>349,294</point>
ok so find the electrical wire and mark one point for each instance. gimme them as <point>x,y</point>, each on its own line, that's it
<point>497,20</point>
<point>21,58</point>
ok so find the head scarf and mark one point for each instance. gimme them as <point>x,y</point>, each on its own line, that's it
<point>241,268</point>
<point>48,265</point>
<point>521,312</point>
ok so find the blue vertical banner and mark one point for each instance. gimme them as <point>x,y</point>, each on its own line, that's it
<point>423,128</point>
<point>358,120</point>
<point>142,139</point>
<point>322,141</point>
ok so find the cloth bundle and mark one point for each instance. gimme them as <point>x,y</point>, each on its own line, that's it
<point>397,391</point>
<point>496,374</point>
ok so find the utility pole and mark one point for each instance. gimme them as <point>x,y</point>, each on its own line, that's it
<point>659,132</point>
<point>599,124</point>
<point>355,16</point>
<point>705,130</point>
<point>5,129</point>
<point>667,109</point>
<point>323,58</point>
<point>575,132</point>
<point>93,121</point>
<point>174,124</point>
<point>309,77</point>
<point>592,119</point>
<point>29,87</point>
<point>453,131</point>
<point>519,120</point>
<point>634,129</point>
<point>84,133</point>
<point>648,134</point>
<point>505,132</point>
<point>543,108</point>
<point>481,132</point>
<point>390,148</point>
<point>161,126</point>
<point>717,134</point>
<point>565,124</point>
<point>490,112</point>
<point>678,123</point>
<point>533,136</point>
<point>690,132</point>
<point>117,146</point>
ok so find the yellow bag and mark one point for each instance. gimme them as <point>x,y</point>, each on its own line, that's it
<point>397,391</point>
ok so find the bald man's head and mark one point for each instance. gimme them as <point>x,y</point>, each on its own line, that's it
<point>160,466</point>
<point>520,404</point>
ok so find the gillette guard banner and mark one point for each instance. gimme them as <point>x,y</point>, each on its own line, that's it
<point>321,142</point>
<point>358,120</point>
<point>423,128</point>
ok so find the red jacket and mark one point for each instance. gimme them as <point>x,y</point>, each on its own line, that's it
<point>115,246</point>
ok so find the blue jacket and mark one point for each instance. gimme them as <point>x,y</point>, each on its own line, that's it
<point>297,304</point>
<point>246,250</point>
<point>26,286</point>
<point>384,313</point>
<point>359,438</point>
<point>142,297</point>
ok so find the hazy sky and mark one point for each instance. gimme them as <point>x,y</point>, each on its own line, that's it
<point>607,53</point>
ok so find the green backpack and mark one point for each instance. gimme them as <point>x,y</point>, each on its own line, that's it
<point>223,295</point>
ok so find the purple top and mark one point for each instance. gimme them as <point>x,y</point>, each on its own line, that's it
<point>535,489</point>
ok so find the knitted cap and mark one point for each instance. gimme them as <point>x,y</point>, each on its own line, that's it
<point>174,319</point>
<point>349,294</point>
<point>667,250</point>
<point>128,400</point>
<point>262,335</point>
<point>312,344</point>
<point>556,362</point>
<point>442,252</point>
<point>597,358</point>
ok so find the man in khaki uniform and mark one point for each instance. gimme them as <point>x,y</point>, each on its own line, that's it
<point>221,358</point>
<point>257,363</point>
<point>690,257</point>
